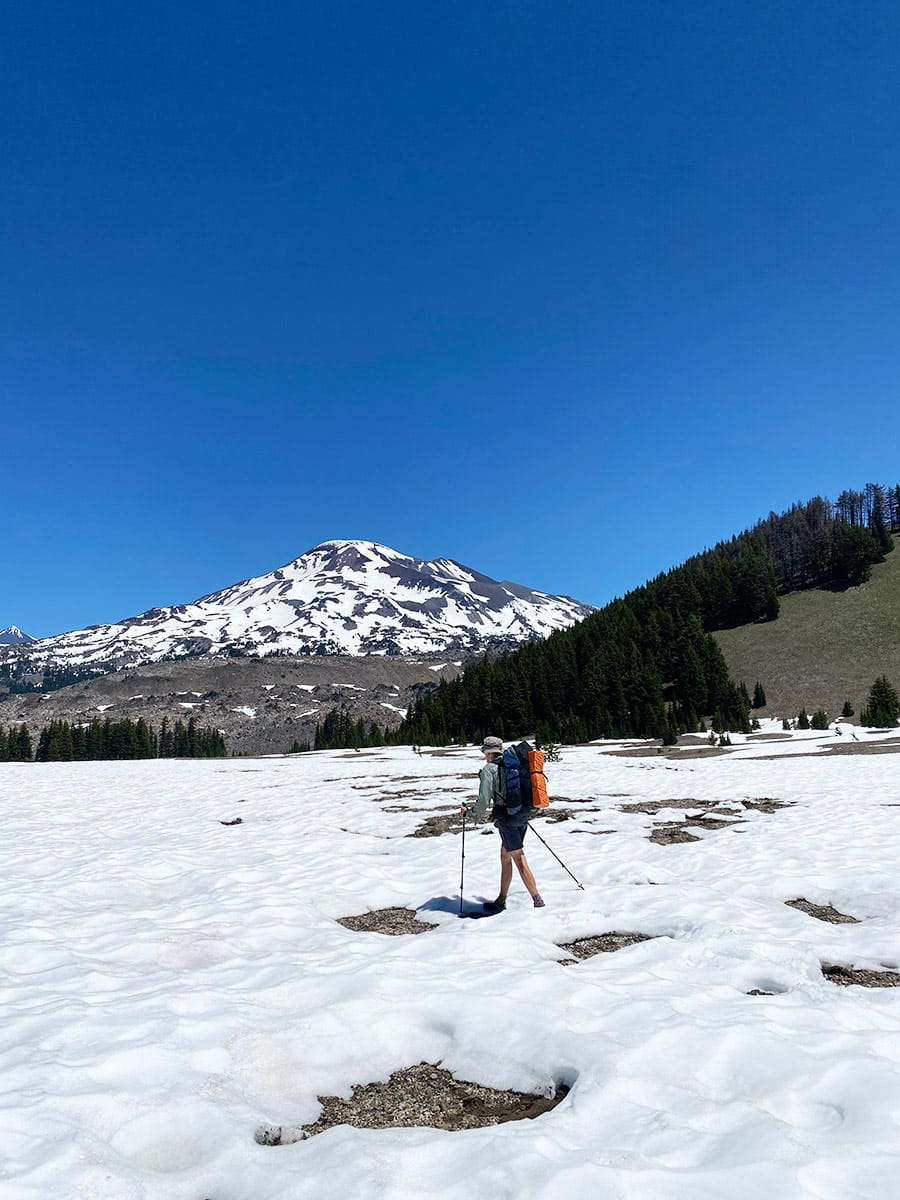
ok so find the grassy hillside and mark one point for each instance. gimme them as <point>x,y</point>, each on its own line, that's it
<point>824,648</point>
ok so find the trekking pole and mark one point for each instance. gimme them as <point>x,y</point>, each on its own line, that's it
<point>462,864</point>
<point>556,856</point>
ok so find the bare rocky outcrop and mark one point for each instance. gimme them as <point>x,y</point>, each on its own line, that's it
<point>262,705</point>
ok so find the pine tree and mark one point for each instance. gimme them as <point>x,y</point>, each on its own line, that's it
<point>759,696</point>
<point>24,750</point>
<point>883,706</point>
<point>803,720</point>
<point>819,720</point>
<point>847,710</point>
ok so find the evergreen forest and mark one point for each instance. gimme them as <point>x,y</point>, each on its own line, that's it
<point>125,739</point>
<point>646,664</point>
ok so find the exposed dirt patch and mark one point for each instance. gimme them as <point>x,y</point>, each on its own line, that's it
<point>669,833</point>
<point>554,800</point>
<point>759,992</point>
<point>601,943</point>
<point>888,746</point>
<point>698,752</point>
<point>236,821</point>
<point>822,912</point>
<point>642,752</point>
<point>848,976</point>
<point>653,806</point>
<point>594,831</point>
<point>446,822</point>
<point>392,921</point>
<point>706,822</point>
<point>449,820</point>
<point>425,1094</point>
<point>765,804</point>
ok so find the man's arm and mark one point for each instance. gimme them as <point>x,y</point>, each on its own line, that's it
<point>486,790</point>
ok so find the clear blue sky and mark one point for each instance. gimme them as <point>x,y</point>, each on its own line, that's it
<point>565,291</point>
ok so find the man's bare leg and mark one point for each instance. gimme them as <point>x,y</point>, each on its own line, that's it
<point>505,873</point>
<point>518,857</point>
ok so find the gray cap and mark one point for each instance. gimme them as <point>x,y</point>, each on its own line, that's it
<point>492,745</point>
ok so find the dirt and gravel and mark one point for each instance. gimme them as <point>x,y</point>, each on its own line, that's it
<point>424,1094</point>
<point>600,943</point>
<point>850,976</point>
<point>822,912</point>
<point>395,922</point>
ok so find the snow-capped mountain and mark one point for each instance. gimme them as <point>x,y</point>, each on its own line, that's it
<point>12,635</point>
<point>342,597</point>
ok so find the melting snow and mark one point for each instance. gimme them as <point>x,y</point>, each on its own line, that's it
<point>160,1009</point>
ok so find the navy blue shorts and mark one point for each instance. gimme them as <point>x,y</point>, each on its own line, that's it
<point>512,832</point>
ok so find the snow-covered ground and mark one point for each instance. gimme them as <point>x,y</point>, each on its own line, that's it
<point>169,983</point>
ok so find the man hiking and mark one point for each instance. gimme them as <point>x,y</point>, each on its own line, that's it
<point>511,826</point>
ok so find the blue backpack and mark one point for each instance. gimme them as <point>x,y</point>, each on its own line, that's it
<point>515,780</point>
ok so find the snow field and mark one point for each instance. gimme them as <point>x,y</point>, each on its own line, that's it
<point>169,983</point>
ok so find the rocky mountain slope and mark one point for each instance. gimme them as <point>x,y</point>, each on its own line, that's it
<point>261,705</point>
<point>342,597</point>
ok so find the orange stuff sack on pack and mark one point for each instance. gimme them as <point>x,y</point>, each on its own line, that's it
<point>539,796</point>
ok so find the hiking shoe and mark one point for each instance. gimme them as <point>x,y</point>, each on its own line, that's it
<point>495,906</point>
<point>538,901</point>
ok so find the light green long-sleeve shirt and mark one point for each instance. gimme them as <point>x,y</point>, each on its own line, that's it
<point>488,790</point>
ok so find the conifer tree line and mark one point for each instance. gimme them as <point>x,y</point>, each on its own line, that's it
<point>820,543</point>
<point>21,674</point>
<point>16,744</point>
<point>339,731</point>
<point>646,665</point>
<point>61,741</point>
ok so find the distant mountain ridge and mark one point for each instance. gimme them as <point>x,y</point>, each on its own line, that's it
<point>12,635</point>
<point>341,597</point>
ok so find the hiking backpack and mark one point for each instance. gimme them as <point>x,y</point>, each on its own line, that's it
<point>523,783</point>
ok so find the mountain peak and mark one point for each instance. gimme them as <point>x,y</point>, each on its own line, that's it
<point>343,596</point>
<point>12,635</point>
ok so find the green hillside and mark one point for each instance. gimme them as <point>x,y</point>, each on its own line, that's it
<point>824,648</point>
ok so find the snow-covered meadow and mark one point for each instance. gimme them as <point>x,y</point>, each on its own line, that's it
<point>169,982</point>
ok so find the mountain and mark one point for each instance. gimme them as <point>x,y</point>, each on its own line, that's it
<point>13,636</point>
<point>342,597</point>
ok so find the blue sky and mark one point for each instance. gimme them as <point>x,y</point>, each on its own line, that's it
<point>565,291</point>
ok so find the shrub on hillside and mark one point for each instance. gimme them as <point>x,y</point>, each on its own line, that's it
<point>883,706</point>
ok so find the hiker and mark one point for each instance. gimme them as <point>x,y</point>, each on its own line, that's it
<point>512,828</point>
